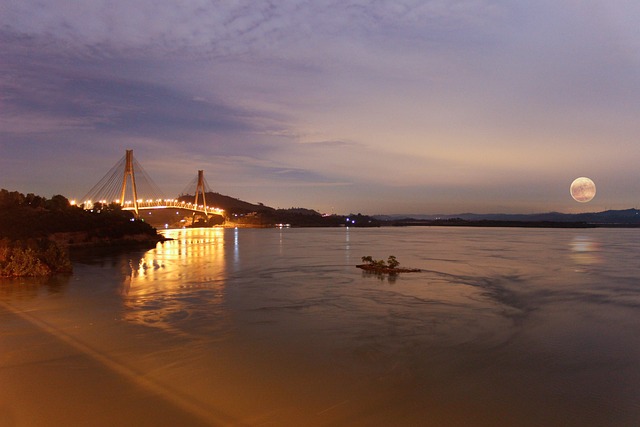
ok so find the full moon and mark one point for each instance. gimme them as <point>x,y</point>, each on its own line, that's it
<point>583,189</point>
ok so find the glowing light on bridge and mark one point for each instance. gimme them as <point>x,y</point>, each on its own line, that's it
<point>114,184</point>
<point>173,203</point>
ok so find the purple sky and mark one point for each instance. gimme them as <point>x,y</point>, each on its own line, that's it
<point>341,106</point>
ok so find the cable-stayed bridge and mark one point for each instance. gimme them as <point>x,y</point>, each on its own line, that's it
<point>128,185</point>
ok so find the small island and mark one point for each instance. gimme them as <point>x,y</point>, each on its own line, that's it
<point>391,266</point>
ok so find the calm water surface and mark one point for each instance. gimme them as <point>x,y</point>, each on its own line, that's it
<point>503,327</point>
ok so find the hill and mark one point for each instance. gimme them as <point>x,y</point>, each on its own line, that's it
<point>609,218</point>
<point>241,213</point>
<point>231,205</point>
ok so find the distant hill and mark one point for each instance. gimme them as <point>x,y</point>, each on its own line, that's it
<point>241,213</point>
<point>610,217</point>
<point>229,204</point>
<point>260,214</point>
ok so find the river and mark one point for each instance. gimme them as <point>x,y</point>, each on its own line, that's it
<point>502,327</point>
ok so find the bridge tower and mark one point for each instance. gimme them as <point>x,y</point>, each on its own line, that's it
<point>200,188</point>
<point>128,172</point>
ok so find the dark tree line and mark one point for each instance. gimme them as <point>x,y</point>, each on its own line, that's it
<point>30,216</point>
<point>28,223</point>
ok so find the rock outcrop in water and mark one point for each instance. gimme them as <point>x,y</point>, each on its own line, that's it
<point>391,266</point>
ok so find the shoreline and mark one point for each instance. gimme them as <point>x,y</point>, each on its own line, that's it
<point>442,223</point>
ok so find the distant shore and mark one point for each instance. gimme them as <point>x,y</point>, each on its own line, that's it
<point>458,223</point>
<point>496,223</point>
<point>492,223</point>
<point>447,223</point>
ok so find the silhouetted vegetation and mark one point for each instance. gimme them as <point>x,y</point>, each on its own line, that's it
<point>392,261</point>
<point>32,257</point>
<point>30,216</point>
<point>391,266</point>
<point>35,231</point>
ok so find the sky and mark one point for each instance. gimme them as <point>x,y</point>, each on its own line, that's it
<point>347,106</point>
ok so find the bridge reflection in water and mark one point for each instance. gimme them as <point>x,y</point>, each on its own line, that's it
<point>161,289</point>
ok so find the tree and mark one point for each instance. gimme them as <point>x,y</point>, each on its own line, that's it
<point>35,201</point>
<point>368,259</point>
<point>392,262</point>
<point>58,203</point>
<point>11,198</point>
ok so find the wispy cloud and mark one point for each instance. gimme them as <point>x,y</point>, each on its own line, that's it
<point>450,94</point>
<point>112,103</point>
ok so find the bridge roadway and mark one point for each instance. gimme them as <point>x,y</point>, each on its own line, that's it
<point>172,203</point>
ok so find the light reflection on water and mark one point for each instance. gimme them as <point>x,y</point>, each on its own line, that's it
<point>585,250</point>
<point>276,326</point>
<point>163,282</point>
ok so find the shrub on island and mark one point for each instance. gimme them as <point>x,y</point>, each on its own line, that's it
<point>391,266</point>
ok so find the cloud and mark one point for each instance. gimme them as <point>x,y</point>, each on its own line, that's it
<point>111,103</point>
<point>246,27</point>
<point>354,96</point>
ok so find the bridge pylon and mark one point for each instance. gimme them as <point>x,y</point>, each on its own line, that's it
<point>120,183</point>
<point>128,172</point>
<point>200,189</point>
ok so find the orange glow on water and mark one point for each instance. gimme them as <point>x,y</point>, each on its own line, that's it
<point>162,272</point>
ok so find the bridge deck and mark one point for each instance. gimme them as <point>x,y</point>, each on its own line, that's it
<point>172,203</point>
